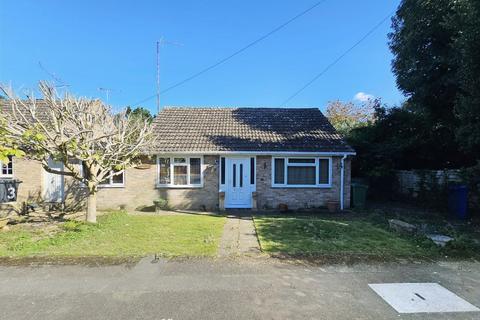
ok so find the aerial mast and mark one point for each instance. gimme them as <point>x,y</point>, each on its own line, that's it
<point>161,42</point>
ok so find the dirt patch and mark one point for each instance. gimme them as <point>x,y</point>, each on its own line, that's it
<point>90,261</point>
<point>353,259</point>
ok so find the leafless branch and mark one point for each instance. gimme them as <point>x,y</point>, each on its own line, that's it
<point>69,128</point>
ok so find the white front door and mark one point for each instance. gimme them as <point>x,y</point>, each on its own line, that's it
<point>238,191</point>
<point>53,191</point>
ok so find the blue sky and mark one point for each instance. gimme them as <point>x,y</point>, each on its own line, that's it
<point>111,44</point>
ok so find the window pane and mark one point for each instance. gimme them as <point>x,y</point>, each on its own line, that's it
<point>10,165</point>
<point>7,168</point>
<point>279,171</point>
<point>118,178</point>
<point>179,175</point>
<point>195,171</point>
<point>179,160</point>
<point>301,175</point>
<point>222,172</point>
<point>301,160</point>
<point>106,181</point>
<point>323,171</point>
<point>252,170</point>
<point>164,171</point>
<point>234,175</point>
<point>241,175</point>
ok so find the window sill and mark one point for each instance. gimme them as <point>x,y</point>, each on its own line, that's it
<point>172,186</point>
<point>111,186</point>
<point>301,186</point>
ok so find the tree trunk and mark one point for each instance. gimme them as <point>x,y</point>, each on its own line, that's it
<point>92,206</point>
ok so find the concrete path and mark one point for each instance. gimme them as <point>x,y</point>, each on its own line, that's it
<point>239,238</point>
<point>222,289</point>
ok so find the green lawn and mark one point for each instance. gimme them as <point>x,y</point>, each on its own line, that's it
<point>337,235</point>
<point>120,235</point>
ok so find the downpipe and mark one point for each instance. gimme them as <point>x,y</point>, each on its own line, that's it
<point>342,181</point>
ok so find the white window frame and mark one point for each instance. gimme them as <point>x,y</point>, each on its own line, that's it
<point>112,184</point>
<point>316,165</point>
<point>172,175</point>
<point>7,175</point>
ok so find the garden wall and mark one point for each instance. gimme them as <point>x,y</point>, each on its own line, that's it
<point>430,187</point>
<point>413,182</point>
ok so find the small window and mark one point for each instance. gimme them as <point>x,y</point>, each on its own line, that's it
<point>241,175</point>
<point>117,180</point>
<point>252,170</point>
<point>301,160</point>
<point>7,167</point>
<point>324,171</point>
<point>234,175</point>
<point>279,177</point>
<point>222,170</point>
<point>195,171</point>
<point>164,164</point>
<point>179,160</point>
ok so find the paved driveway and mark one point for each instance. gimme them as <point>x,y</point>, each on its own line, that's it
<point>221,289</point>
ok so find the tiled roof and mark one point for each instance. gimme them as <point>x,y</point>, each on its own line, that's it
<point>41,110</point>
<point>245,129</point>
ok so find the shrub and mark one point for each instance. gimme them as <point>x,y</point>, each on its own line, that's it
<point>161,204</point>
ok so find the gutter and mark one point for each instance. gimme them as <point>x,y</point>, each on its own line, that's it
<point>272,153</point>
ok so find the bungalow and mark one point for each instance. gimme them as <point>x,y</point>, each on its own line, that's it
<point>217,158</point>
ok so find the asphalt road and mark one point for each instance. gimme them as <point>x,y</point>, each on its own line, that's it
<point>221,289</point>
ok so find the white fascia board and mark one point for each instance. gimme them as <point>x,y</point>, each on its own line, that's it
<point>272,153</point>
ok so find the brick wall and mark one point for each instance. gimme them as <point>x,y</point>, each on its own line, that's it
<point>30,173</point>
<point>140,190</point>
<point>295,198</point>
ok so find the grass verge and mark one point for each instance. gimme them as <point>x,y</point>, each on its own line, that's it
<point>118,234</point>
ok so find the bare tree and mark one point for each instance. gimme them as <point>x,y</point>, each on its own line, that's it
<point>75,130</point>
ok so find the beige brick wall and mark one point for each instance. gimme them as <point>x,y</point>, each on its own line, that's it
<point>30,173</point>
<point>140,189</point>
<point>269,197</point>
